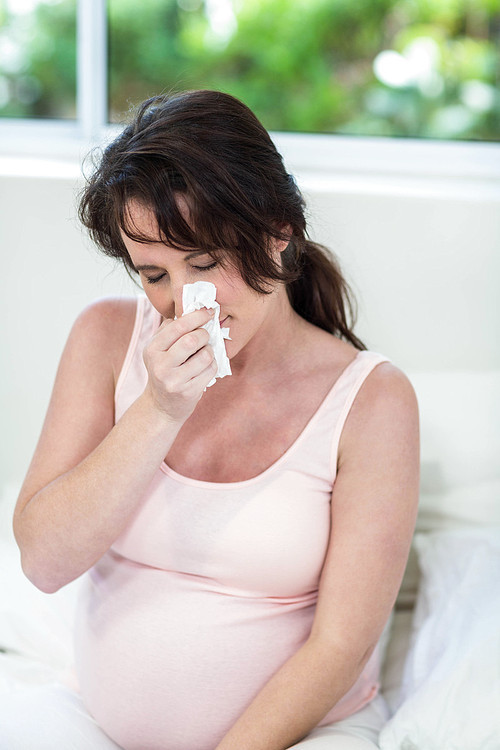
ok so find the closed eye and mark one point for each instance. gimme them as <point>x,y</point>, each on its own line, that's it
<point>154,279</point>
<point>160,276</point>
<point>206,268</point>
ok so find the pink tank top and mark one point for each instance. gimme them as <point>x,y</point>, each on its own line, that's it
<point>212,586</point>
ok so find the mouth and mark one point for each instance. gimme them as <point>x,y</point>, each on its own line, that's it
<point>222,322</point>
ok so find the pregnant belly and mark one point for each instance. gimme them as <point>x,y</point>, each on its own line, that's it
<point>166,662</point>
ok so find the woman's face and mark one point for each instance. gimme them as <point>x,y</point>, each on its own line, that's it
<point>164,271</point>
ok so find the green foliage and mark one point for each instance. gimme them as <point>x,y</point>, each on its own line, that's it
<point>308,65</point>
<point>428,68</point>
<point>38,67</point>
<point>145,55</point>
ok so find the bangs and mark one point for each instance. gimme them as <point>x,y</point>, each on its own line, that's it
<point>184,216</point>
<point>179,218</point>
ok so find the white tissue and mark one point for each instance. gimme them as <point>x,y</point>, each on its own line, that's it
<point>202,294</point>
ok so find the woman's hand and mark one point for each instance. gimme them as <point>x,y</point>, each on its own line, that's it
<point>180,364</point>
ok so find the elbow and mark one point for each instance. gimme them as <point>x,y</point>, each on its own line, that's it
<point>47,586</point>
<point>44,583</point>
<point>38,574</point>
<point>35,566</point>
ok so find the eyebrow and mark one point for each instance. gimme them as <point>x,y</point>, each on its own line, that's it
<point>148,267</point>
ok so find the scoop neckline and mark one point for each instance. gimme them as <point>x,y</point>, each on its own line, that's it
<point>182,478</point>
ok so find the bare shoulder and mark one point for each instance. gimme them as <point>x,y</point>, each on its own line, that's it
<point>385,409</point>
<point>103,330</point>
<point>106,316</point>
<point>388,388</point>
<point>387,384</point>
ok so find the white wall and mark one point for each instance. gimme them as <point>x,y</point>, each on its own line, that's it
<point>423,257</point>
<point>49,273</point>
<point>427,268</point>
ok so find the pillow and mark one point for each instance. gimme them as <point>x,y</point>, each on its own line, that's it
<point>450,695</point>
<point>460,445</point>
<point>460,430</point>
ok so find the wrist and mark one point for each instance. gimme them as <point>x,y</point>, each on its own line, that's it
<point>156,418</point>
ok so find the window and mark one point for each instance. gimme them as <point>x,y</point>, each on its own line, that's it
<point>418,68</point>
<point>38,59</point>
<point>424,69</point>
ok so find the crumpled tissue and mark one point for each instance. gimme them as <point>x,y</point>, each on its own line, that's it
<point>202,294</point>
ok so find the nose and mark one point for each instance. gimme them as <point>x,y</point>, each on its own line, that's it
<point>176,287</point>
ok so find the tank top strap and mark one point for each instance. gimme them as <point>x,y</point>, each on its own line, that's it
<point>133,375</point>
<point>345,391</point>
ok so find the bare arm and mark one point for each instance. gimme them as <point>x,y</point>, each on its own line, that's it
<point>374,505</point>
<point>87,476</point>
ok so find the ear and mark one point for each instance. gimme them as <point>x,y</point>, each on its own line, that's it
<point>279,245</point>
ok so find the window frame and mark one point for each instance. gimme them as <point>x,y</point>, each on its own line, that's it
<point>317,157</point>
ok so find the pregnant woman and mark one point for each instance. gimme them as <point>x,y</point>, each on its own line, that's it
<point>242,544</point>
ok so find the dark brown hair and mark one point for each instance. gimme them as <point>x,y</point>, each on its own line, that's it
<point>210,147</point>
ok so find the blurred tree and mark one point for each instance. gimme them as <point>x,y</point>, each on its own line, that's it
<point>421,68</point>
<point>145,55</point>
<point>38,59</point>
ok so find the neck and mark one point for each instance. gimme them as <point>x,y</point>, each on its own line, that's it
<point>275,346</point>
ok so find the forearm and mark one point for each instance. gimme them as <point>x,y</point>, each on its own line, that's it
<point>69,524</point>
<point>295,700</point>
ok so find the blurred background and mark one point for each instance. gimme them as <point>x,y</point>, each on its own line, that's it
<point>418,68</point>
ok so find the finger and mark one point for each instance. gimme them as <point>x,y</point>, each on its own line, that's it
<point>172,330</point>
<point>199,382</point>
<point>186,347</point>
<point>184,380</point>
<point>196,364</point>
